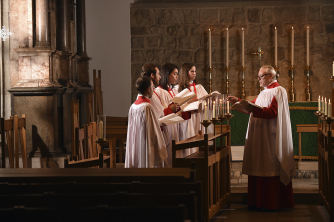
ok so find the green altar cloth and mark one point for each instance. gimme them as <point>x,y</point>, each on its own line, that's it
<point>300,113</point>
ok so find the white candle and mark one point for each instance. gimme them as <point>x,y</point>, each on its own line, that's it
<point>275,47</point>
<point>101,130</point>
<point>214,109</point>
<point>228,107</point>
<point>325,107</point>
<point>308,46</point>
<point>227,44</point>
<point>210,48</point>
<point>333,68</point>
<point>322,104</point>
<point>205,112</point>
<point>243,47</point>
<point>319,109</point>
<point>292,45</point>
<point>329,108</point>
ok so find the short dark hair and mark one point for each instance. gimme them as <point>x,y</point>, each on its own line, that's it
<point>148,69</point>
<point>142,84</point>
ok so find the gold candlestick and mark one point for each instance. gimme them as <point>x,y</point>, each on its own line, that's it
<point>214,121</point>
<point>308,89</point>
<point>206,123</point>
<point>210,70</point>
<point>227,69</point>
<point>228,116</point>
<point>292,85</point>
<point>243,94</point>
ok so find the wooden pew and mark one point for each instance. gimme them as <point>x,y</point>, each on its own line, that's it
<point>326,171</point>
<point>213,166</point>
<point>99,213</point>
<point>116,130</point>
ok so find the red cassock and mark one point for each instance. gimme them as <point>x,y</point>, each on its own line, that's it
<point>265,189</point>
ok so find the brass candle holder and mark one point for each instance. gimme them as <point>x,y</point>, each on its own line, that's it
<point>221,120</point>
<point>206,123</point>
<point>292,84</point>
<point>214,121</point>
<point>308,90</point>
<point>227,69</point>
<point>243,94</point>
<point>210,70</point>
<point>228,116</point>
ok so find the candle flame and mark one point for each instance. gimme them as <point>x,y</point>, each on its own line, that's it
<point>308,27</point>
<point>226,29</point>
<point>275,27</point>
<point>242,29</point>
<point>209,29</point>
<point>325,99</point>
<point>319,96</point>
<point>292,27</point>
<point>322,98</point>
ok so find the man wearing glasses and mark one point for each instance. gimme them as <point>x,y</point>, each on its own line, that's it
<point>268,156</point>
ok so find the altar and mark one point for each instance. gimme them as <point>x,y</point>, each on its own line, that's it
<point>300,113</point>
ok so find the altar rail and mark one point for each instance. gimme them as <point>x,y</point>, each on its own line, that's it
<point>326,171</point>
<point>213,168</point>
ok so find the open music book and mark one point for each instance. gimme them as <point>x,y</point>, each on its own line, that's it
<point>170,119</point>
<point>213,94</point>
<point>190,106</point>
<point>241,106</point>
<point>183,97</point>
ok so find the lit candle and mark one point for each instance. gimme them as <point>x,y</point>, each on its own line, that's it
<point>329,108</point>
<point>333,68</point>
<point>214,110</point>
<point>101,130</point>
<point>228,107</point>
<point>325,107</point>
<point>210,48</point>
<point>220,107</point>
<point>322,104</point>
<point>292,45</point>
<point>275,47</point>
<point>205,111</point>
<point>227,44</point>
<point>308,46</point>
<point>319,109</point>
<point>243,47</point>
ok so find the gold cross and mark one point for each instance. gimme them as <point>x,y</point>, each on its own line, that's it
<point>260,53</point>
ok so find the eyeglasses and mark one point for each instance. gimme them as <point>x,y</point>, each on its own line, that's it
<point>261,77</point>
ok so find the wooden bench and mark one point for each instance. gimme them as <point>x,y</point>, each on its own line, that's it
<point>213,166</point>
<point>326,171</point>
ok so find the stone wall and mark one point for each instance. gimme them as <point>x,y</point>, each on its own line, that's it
<point>178,33</point>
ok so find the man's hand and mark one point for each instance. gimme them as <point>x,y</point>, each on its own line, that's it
<point>174,107</point>
<point>232,99</point>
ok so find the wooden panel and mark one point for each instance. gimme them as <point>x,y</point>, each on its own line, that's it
<point>307,128</point>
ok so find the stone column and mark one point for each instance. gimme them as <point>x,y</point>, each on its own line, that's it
<point>42,23</point>
<point>63,35</point>
<point>81,28</point>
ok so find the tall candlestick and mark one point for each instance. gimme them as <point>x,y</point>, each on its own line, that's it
<point>275,47</point>
<point>214,109</point>
<point>227,45</point>
<point>210,48</point>
<point>329,108</point>
<point>220,108</point>
<point>308,46</point>
<point>228,107</point>
<point>101,130</point>
<point>325,107</point>
<point>319,109</point>
<point>292,45</point>
<point>243,47</point>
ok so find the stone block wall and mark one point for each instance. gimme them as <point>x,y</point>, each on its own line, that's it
<point>178,33</point>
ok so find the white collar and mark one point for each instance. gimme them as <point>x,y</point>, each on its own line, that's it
<point>191,82</point>
<point>270,84</point>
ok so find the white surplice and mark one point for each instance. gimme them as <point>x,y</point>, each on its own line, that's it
<point>191,127</point>
<point>268,147</point>
<point>145,145</point>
